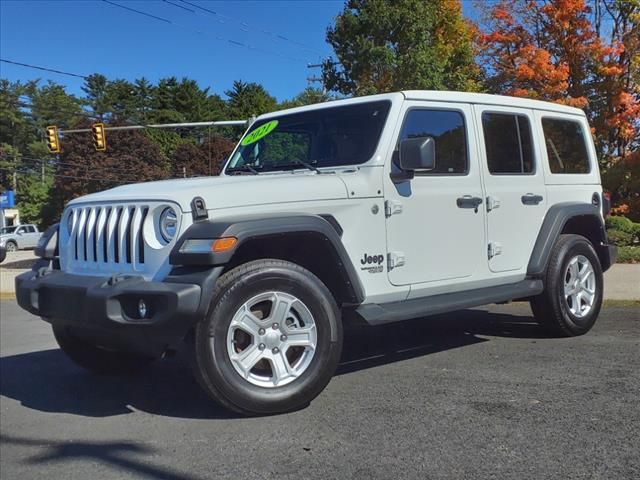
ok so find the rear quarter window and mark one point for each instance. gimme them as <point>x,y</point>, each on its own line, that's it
<point>566,146</point>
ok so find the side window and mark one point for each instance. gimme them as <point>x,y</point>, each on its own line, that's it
<point>31,229</point>
<point>508,143</point>
<point>566,146</point>
<point>21,230</point>
<point>448,130</point>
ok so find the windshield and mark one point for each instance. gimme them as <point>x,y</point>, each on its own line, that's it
<point>7,230</point>
<point>328,137</point>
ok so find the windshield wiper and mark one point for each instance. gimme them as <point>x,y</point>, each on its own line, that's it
<point>243,169</point>
<point>295,162</point>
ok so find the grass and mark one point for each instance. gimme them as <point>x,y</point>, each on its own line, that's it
<point>621,303</point>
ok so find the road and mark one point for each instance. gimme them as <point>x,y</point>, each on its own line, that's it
<point>476,394</point>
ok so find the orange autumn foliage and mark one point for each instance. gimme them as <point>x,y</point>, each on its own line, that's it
<point>551,51</point>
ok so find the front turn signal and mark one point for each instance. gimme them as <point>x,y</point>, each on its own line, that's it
<point>224,244</point>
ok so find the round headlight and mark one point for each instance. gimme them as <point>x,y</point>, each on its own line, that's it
<point>168,224</point>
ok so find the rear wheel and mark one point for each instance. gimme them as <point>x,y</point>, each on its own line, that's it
<point>95,358</point>
<point>271,341</point>
<point>572,298</point>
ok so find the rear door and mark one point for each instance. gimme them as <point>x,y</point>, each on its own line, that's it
<point>514,185</point>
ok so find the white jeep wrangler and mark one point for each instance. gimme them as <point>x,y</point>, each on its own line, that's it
<point>387,208</point>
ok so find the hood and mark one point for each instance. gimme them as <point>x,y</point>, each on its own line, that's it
<point>229,191</point>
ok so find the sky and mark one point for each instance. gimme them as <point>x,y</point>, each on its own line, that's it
<point>269,42</point>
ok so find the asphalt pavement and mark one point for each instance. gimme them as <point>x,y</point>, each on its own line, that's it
<point>475,394</point>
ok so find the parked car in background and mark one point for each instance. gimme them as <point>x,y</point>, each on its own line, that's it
<point>19,237</point>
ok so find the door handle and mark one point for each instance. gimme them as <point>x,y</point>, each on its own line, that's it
<point>467,201</point>
<point>531,199</point>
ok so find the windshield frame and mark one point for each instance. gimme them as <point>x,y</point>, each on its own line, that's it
<point>228,170</point>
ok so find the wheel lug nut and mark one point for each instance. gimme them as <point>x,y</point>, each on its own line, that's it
<point>283,337</point>
<point>261,346</point>
<point>276,350</point>
<point>275,326</point>
<point>261,331</point>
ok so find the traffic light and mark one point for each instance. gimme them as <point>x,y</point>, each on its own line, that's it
<point>99,136</point>
<point>53,140</point>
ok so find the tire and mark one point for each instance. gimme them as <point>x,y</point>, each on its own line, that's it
<point>571,301</point>
<point>96,359</point>
<point>252,383</point>
<point>11,246</point>
<point>3,253</point>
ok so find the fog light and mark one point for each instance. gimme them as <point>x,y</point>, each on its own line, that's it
<point>142,308</point>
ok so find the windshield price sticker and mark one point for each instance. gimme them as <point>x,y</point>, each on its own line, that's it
<point>260,132</point>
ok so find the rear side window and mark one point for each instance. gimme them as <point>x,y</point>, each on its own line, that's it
<point>566,146</point>
<point>448,130</point>
<point>507,140</point>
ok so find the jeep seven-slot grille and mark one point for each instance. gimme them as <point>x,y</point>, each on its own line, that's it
<point>109,234</point>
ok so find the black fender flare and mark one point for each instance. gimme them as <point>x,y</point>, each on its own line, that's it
<point>245,228</point>
<point>554,222</point>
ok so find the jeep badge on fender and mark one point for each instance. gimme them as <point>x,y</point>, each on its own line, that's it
<point>486,199</point>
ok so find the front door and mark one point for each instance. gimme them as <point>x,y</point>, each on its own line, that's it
<point>514,183</point>
<point>435,224</point>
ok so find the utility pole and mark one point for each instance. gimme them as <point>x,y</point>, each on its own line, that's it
<point>15,174</point>
<point>317,79</point>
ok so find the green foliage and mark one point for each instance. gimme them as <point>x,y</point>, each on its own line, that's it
<point>248,99</point>
<point>385,46</point>
<point>32,198</point>
<point>628,255</point>
<point>308,96</point>
<point>622,231</point>
<point>620,223</point>
<point>619,238</point>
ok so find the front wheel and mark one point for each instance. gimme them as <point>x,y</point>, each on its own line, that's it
<point>572,298</point>
<point>271,341</point>
<point>11,246</point>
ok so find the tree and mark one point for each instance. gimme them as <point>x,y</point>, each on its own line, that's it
<point>384,46</point>
<point>131,157</point>
<point>248,99</point>
<point>308,96</point>
<point>96,94</point>
<point>192,160</point>
<point>552,50</point>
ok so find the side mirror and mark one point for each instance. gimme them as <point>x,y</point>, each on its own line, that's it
<point>417,154</point>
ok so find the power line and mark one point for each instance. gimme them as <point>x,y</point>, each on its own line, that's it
<point>200,32</point>
<point>46,69</point>
<point>137,11</point>
<point>245,26</point>
<point>31,172</point>
<point>179,6</point>
<point>55,163</point>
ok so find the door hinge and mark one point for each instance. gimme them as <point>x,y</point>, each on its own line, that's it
<point>395,260</point>
<point>492,203</point>
<point>494,249</point>
<point>391,207</point>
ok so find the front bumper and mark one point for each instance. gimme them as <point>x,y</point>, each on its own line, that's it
<point>104,310</point>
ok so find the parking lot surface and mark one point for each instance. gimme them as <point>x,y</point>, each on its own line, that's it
<point>475,394</point>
